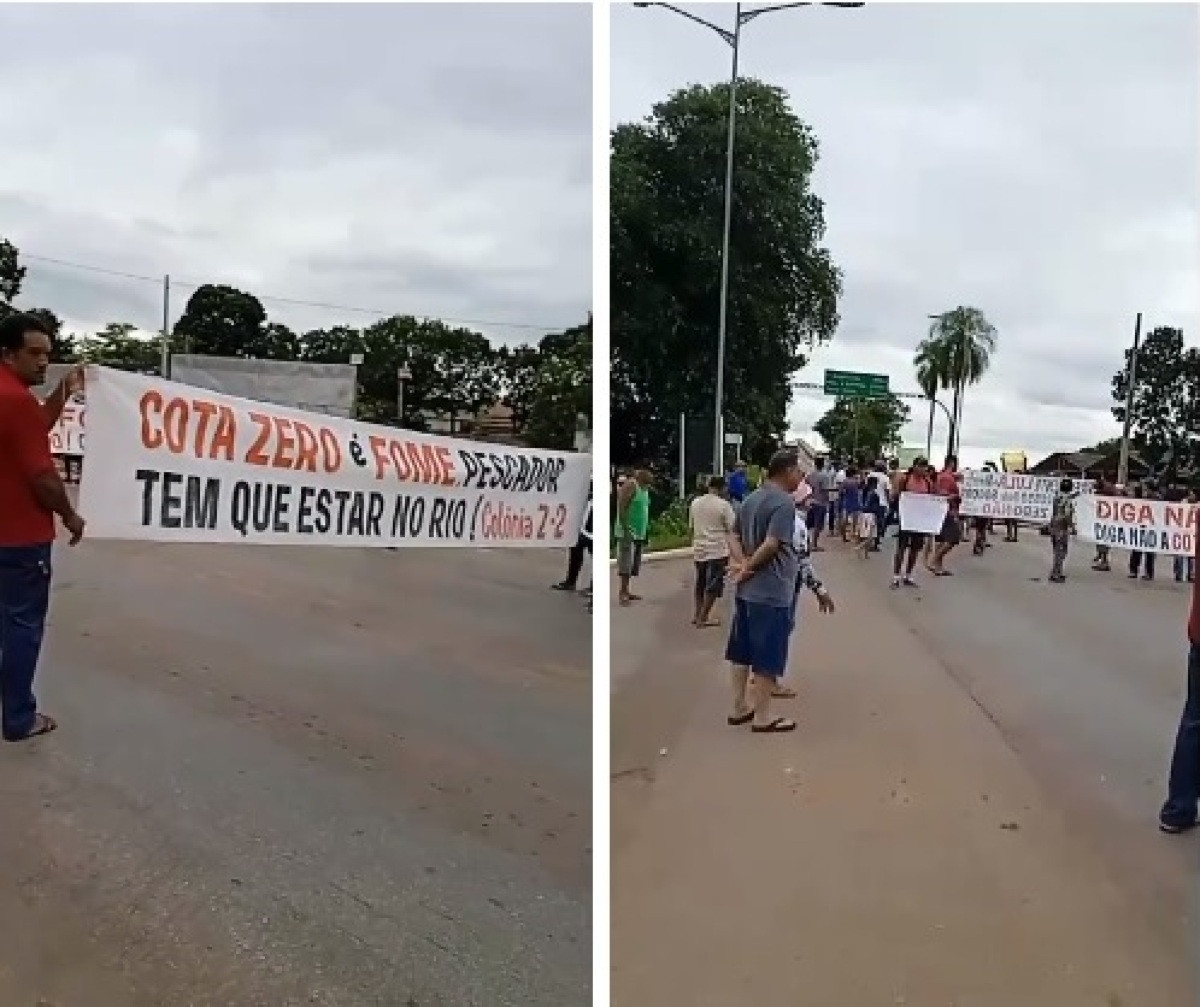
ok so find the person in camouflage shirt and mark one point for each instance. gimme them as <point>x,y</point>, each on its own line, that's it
<point>1062,527</point>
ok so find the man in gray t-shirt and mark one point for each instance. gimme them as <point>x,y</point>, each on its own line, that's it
<point>765,566</point>
<point>768,512</point>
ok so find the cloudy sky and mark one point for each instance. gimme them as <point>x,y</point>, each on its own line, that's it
<point>423,159</point>
<point>1038,161</point>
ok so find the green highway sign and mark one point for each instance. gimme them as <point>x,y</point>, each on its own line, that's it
<point>856,385</point>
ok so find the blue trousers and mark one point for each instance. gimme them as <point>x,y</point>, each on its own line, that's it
<point>24,602</point>
<point>1183,787</point>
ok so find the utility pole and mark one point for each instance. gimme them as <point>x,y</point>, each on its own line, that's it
<point>733,39</point>
<point>1131,380</point>
<point>165,364</point>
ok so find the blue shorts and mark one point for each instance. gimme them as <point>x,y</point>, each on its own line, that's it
<point>758,638</point>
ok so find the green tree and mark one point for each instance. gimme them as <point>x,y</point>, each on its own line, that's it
<point>330,346</point>
<point>863,427</point>
<point>956,353</point>
<point>1165,418</point>
<point>12,278</point>
<point>12,274</point>
<point>453,371</point>
<point>222,321</point>
<point>517,367</point>
<point>1103,447</point>
<point>118,345</point>
<point>279,343</point>
<point>668,176</point>
<point>562,390</point>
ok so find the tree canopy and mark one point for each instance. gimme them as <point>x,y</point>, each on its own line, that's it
<point>667,186</point>
<point>956,353</point>
<point>1165,427</point>
<point>454,373</point>
<point>855,428</point>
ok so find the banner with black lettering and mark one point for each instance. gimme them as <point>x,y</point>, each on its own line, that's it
<point>1138,525</point>
<point>1014,496</point>
<point>169,462</point>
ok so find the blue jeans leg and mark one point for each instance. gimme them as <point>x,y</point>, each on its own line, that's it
<point>24,602</point>
<point>1183,788</point>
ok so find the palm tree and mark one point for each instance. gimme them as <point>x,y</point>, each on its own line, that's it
<point>956,353</point>
<point>931,368</point>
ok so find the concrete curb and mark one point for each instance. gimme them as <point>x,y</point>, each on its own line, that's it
<point>654,557</point>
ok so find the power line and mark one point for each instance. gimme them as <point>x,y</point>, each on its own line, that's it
<point>291,301</point>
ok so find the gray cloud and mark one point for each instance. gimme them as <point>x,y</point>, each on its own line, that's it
<point>423,158</point>
<point>1038,161</point>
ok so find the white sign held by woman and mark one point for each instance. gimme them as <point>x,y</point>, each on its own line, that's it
<point>923,513</point>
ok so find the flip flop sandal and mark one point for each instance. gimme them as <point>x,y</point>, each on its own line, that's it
<point>780,725</point>
<point>784,694</point>
<point>41,725</point>
<point>745,718</point>
<point>708,624</point>
<point>943,573</point>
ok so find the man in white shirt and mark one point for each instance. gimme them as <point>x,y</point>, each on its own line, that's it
<point>711,519</point>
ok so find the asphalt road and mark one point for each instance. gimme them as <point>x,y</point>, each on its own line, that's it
<point>338,777</point>
<point>989,750</point>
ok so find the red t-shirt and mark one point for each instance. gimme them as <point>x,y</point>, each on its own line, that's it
<point>24,455</point>
<point>913,483</point>
<point>947,486</point>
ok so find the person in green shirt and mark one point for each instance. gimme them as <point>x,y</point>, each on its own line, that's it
<point>631,530</point>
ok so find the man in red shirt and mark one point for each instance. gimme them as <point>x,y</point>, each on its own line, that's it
<point>1183,788</point>
<point>31,493</point>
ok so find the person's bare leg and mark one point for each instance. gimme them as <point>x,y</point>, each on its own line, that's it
<point>623,591</point>
<point>739,675</point>
<point>761,699</point>
<point>706,609</point>
<point>912,562</point>
<point>939,556</point>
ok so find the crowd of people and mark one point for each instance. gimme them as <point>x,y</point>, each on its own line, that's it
<point>760,541</point>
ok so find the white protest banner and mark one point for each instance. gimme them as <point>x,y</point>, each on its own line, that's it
<point>172,463</point>
<point>1138,525</point>
<point>923,513</point>
<point>1012,496</point>
<point>67,435</point>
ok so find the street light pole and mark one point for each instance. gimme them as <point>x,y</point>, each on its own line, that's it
<point>733,39</point>
<point>1131,381</point>
<point>723,315</point>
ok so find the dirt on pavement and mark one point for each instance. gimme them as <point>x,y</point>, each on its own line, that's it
<point>904,846</point>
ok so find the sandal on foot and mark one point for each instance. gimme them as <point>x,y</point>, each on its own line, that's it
<point>41,725</point>
<point>779,725</point>
<point>708,623</point>
<point>783,693</point>
<point>741,719</point>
